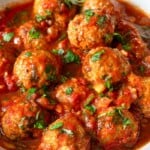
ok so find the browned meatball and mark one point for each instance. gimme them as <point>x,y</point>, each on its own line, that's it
<point>117,128</point>
<point>108,6</point>
<point>90,29</point>
<point>31,37</point>
<point>142,87</point>
<point>19,119</point>
<point>53,15</point>
<point>66,133</point>
<point>72,94</point>
<point>36,68</point>
<point>104,66</point>
<point>130,40</point>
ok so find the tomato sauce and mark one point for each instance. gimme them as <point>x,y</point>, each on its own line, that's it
<point>20,14</point>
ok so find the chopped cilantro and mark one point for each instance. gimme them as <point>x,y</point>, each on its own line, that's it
<point>88,14</point>
<point>127,47</point>
<point>96,56</point>
<point>71,57</point>
<point>56,125</point>
<point>117,36</point>
<point>101,21</point>
<point>63,79</point>
<point>69,3</point>
<point>108,38</point>
<point>31,91</point>
<point>69,90</point>
<point>39,124</point>
<point>7,37</point>
<point>91,108</point>
<point>89,99</point>
<point>58,51</point>
<point>34,33</point>
<point>108,83</point>
<point>28,54</point>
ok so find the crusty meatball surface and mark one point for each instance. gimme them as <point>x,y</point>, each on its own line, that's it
<point>131,40</point>
<point>36,68</point>
<point>90,29</point>
<point>72,94</point>
<point>66,133</point>
<point>53,14</point>
<point>117,128</point>
<point>142,87</point>
<point>104,66</point>
<point>18,119</point>
<point>31,37</point>
<point>108,6</point>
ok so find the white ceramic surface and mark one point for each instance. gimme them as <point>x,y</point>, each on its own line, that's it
<point>143,4</point>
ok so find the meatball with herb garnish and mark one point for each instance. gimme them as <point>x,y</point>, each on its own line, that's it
<point>31,36</point>
<point>128,38</point>
<point>72,94</point>
<point>53,16</point>
<point>36,68</point>
<point>89,29</point>
<point>22,118</point>
<point>103,67</point>
<point>66,133</point>
<point>109,6</point>
<point>117,128</point>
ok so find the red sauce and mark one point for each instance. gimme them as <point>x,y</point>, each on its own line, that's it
<point>8,19</point>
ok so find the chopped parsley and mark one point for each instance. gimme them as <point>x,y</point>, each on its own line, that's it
<point>108,83</point>
<point>69,91</point>
<point>56,125</point>
<point>28,54</point>
<point>31,91</point>
<point>34,33</point>
<point>89,99</point>
<point>91,108</point>
<point>58,51</point>
<point>71,57</point>
<point>101,21</point>
<point>96,56</point>
<point>88,14</point>
<point>40,18</point>
<point>127,47</point>
<point>63,78</point>
<point>39,124</point>
<point>108,38</point>
<point>7,37</point>
<point>69,3</point>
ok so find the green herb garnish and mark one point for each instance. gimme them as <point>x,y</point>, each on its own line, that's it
<point>7,37</point>
<point>101,21</point>
<point>69,90</point>
<point>56,125</point>
<point>71,57</point>
<point>88,14</point>
<point>34,34</point>
<point>28,54</point>
<point>96,56</point>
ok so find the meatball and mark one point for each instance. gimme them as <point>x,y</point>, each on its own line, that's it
<point>72,94</point>
<point>53,14</point>
<point>142,87</point>
<point>131,40</point>
<point>105,66</point>
<point>36,68</point>
<point>117,128</point>
<point>89,30</point>
<point>31,36</point>
<point>66,133</point>
<point>109,6</point>
<point>18,119</point>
